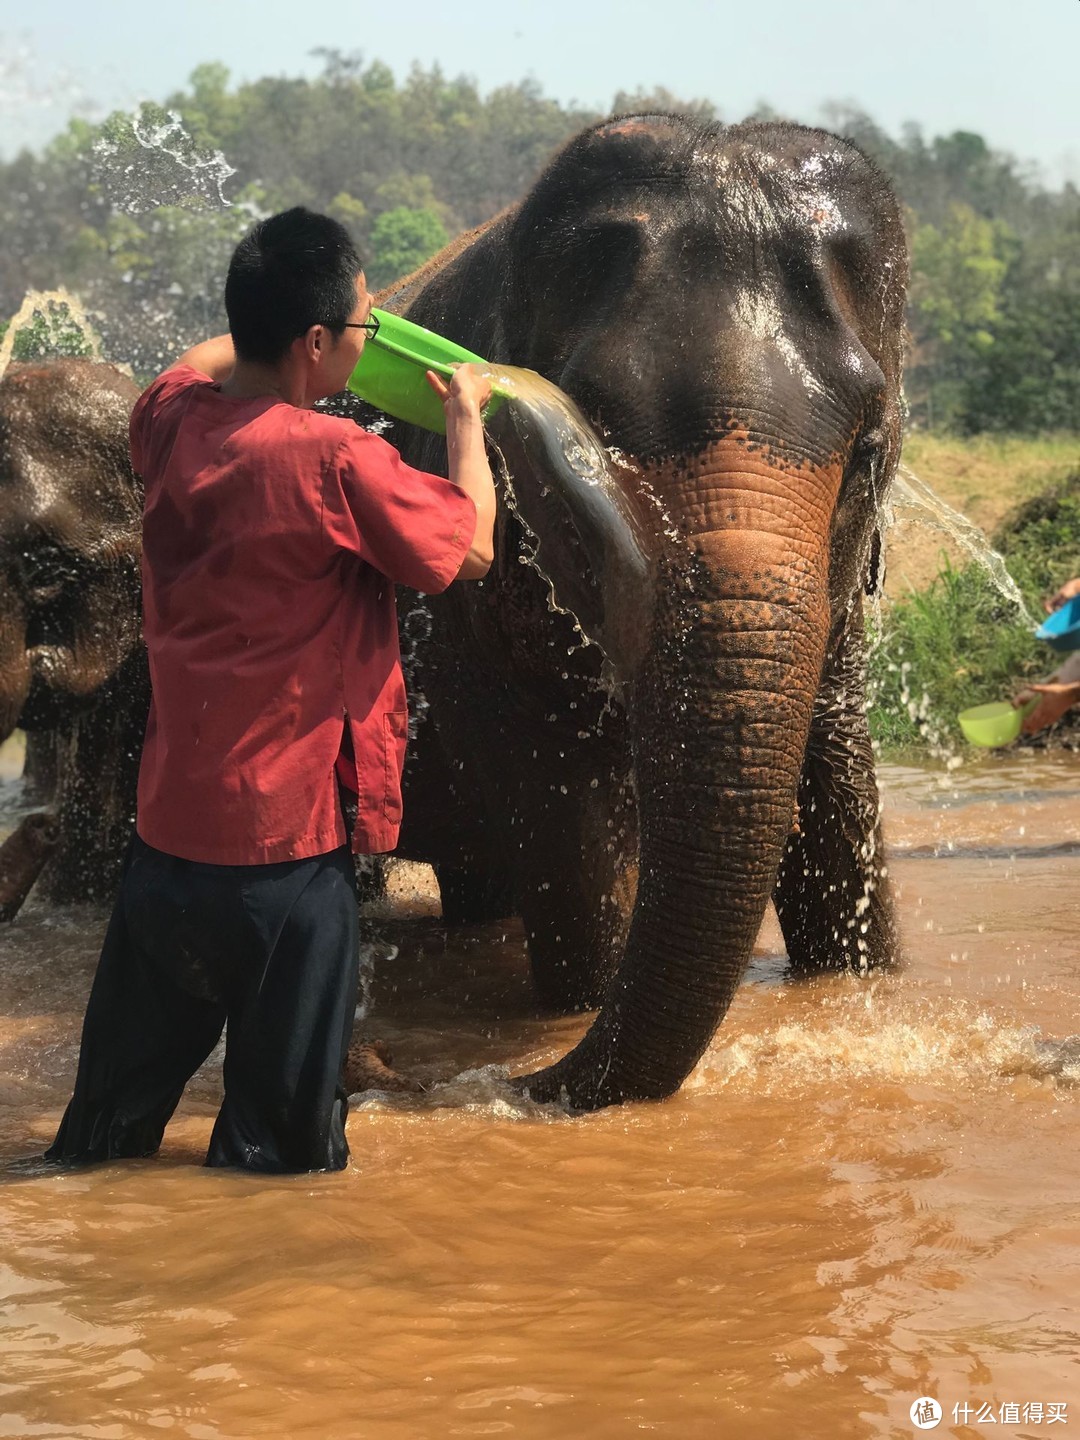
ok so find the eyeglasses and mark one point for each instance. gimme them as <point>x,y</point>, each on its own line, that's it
<point>371,326</point>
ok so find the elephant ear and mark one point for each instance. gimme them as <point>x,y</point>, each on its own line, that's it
<point>583,531</point>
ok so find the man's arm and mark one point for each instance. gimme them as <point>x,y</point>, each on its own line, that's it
<point>1054,699</point>
<point>215,358</point>
<point>463,400</point>
<point>1068,592</point>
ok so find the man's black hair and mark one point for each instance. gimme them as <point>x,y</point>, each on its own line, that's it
<point>290,272</point>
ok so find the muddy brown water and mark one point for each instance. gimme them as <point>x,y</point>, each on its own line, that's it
<point>869,1191</point>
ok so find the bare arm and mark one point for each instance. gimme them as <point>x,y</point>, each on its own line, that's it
<point>463,399</point>
<point>1068,592</point>
<point>1054,699</point>
<point>215,358</point>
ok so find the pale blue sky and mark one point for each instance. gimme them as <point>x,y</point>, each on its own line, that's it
<point>1004,69</point>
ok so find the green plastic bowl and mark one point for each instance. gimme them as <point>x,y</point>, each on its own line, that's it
<point>992,725</point>
<point>390,373</point>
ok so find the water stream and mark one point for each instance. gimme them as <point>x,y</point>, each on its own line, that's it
<point>582,508</point>
<point>914,494</point>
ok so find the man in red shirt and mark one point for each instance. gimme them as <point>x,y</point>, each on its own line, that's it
<point>273,535</point>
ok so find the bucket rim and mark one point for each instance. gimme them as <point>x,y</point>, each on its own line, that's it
<point>399,346</point>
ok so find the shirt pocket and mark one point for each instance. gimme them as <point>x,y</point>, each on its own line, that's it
<point>395,739</point>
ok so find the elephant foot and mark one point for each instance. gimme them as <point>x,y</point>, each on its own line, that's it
<point>23,856</point>
<point>566,1085</point>
<point>368,1067</point>
<point>581,1087</point>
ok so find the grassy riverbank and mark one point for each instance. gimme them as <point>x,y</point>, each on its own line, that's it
<point>986,475</point>
<point>949,638</point>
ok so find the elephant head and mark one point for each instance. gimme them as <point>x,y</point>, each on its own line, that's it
<point>726,306</point>
<point>70,517</point>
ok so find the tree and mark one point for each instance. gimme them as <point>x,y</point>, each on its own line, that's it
<point>138,215</point>
<point>401,240</point>
<point>643,102</point>
<point>957,274</point>
<point>1030,379</point>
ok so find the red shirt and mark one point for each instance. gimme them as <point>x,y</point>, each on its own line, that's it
<point>272,538</point>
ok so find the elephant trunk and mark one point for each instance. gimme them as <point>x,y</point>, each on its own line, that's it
<point>721,715</point>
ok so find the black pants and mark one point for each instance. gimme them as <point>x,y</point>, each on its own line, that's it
<point>272,949</point>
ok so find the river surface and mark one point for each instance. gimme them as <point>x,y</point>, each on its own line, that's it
<point>868,1192</point>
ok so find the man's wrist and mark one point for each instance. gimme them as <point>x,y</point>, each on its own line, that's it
<point>463,417</point>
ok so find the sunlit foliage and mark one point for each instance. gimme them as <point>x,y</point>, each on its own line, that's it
<point>138,216</point>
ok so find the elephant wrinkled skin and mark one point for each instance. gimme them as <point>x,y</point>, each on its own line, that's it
<point>726,305</point>
<point>72,664</point>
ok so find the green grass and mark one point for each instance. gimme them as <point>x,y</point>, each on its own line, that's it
<point>943,649</point>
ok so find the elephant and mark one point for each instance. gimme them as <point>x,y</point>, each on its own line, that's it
<point>73,670</point>
<point>725,305</point>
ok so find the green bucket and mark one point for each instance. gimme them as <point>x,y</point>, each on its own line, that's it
<point>995,724</point>
<point>390,372</point>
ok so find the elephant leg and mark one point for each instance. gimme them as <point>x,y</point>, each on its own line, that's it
<point>449,825</point>
<point>475,890</point>
<point>97,768</point>
<point>371,871</point>
<point>832,896</point>
<point>575,889</point>
<point>41,767</point>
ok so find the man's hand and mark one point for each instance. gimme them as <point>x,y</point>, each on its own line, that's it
<point>468,387</point>
<point>466,453</point>
<point>1054,699</point>
<point>1068,592</point>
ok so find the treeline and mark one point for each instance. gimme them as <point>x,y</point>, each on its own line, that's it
<point>994,302</point>
<point>137,216</point>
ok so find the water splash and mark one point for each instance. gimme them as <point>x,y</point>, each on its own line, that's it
<point>583,521</point>
<point>925,507</point>
<point>147,161</point>
<point>371,955</point>
<point>911,492</point>
<point>172,168</point>
<point>170,216</point>
<point>880,1036</point>
<point>932,728</point>
<point>485,1091</point>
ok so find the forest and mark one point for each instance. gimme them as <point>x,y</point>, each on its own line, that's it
<point>136,216</point>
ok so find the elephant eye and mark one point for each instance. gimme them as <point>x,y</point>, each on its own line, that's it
<point>595,257</point>
<point>47,570</point>
<point>52,582</point>
<point>861,478</point>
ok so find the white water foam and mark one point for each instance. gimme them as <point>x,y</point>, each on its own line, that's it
<point>869,1037</point>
